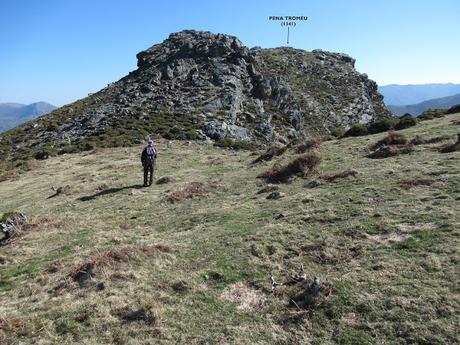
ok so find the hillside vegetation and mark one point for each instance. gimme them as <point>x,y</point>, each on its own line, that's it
<point>189,260</point>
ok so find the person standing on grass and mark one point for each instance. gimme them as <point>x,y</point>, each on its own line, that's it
<point>148,157</point>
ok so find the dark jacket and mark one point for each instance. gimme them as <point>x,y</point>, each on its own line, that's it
<point>148,156</point>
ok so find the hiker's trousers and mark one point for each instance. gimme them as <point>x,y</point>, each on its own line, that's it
<point>148,173</point>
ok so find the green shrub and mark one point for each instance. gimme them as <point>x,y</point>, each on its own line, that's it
<point>41,155</point>
<point>431,114</point>
<point>9,215</point>
<point>337,131</point>
<point>383,125</point>
<point>68,149</point>
<point>191,134</point>
<point>356,130</point>
<point>406,121</point>
<point>454,109</point>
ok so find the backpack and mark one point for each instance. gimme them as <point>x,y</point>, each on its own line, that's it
<point>150,154</point>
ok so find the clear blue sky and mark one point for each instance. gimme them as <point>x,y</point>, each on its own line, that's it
<point>60,50</point>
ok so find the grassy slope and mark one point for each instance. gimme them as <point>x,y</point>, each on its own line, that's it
<point>399,292</point>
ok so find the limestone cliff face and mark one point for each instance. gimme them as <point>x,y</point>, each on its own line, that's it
<point>200,85</point>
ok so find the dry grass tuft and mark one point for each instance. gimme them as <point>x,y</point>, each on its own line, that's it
<point>414,182</point>
<point>190,191</point>
<point>245,297</point>
<point>418,140</point>
<point>18,326</point>
<point>392,139</point>
<point>85,271</point>
<point>310,144</point>
<point>302,166</point>
<point>391,151</point>
<point>40,223</point>
<point>342,174</point>
<point>272,151</point>
<point>451,147</point>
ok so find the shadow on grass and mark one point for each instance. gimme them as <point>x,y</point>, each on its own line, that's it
<point>108,191</point>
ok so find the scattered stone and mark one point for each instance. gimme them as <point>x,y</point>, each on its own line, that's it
<point>308,199</point>
<point>60,190</point>
<point>276,195</point>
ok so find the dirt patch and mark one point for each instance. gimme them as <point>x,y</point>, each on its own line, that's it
<point>245,297</point>
<point>273,151</point>
<point>302,166</point>
<point>339,175</point>
<point>384,239</point>
<point>190,191</point>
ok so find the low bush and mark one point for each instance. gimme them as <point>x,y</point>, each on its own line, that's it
<point>418,140</point>
<point>41,155</point>
<point>383,125</point>
<point>406,121</point>
<point>451,147</point>
<point>390,151</point>
<point>392,138</point>
<point>301,166</point>
<point>454,109</point>
<point>431,114</point>
<point>356,130</point>
<point>337,131</point>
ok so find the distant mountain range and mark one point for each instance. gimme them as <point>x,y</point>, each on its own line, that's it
<point>13,114</point>
<point>412,94</point>
<point>417,109</point>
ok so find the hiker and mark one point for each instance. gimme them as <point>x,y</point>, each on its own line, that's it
<point>148,157</point>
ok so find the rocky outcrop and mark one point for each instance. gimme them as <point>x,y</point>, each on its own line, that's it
<point>200,85</point>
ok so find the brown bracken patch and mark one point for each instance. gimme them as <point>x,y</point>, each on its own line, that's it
<point>191,190</point>
<point>301,166</point>
<point>272,151</point>
<point>309,144</point>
